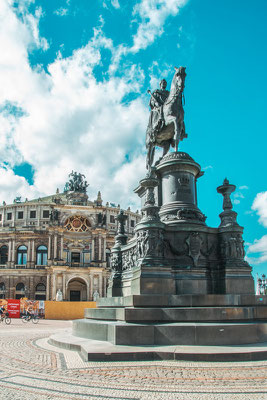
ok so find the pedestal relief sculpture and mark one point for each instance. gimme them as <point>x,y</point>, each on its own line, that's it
<point>178,281</point>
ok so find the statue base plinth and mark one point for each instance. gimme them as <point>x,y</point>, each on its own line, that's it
<point>178,173</point>
<point>203,320</point>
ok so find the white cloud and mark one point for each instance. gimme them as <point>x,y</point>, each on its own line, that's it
<point>258,247</point>
<point>61,12</point>
<point>69,120</point>
<point>129,173</point>
<point>9,181</point>
<point>157,73</point>
<point>249,212</point>
<point>260,206</point>
<point>239,195</point>
<point>115,3</point>
<point>235,201</point>
<point>153,14</point>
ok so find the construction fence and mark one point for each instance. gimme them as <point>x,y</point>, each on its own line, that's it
<point>63,310</point>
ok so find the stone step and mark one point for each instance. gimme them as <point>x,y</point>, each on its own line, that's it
<point>95,350</point>
<point>184,333</point>
<point>205,300</point>
<point>181,314</point>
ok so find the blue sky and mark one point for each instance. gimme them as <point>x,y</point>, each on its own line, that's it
<point>74,76</point>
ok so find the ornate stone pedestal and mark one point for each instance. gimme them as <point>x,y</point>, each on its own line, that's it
<point>178,174</point>
<point>178,281</point>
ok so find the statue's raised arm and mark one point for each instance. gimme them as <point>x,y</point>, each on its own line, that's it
<point>166,121</point>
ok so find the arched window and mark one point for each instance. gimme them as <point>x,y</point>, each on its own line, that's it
<point>3,254</point>
<point>2,290</point>
<point>41,255</point>
<point>20,291</point>
<point>20,287</point>
<point>22,255</point>
<point>40,292</point>
<point>40,287</point>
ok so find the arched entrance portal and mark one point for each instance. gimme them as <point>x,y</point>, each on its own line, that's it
<point>77,290</point>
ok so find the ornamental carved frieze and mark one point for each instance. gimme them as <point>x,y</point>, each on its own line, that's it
<point>233,247</point>
<point>194,242</point>
<point>185,214</point>
<point>129,259</point>
<point>150,242</point>
<point>177,156</point>
<point>115,262</point>
<point>77,223</point>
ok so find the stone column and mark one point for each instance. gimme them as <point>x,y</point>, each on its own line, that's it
<point>9,250</point>
<point>26,214</point>
<point>13,252</point>
<point>104,250</point>
<point>29,254</point>
<point>55,246</point>
<point>49,248</point>
<point>54,287</point>
<point>64,285</point>
<point>91,286</point>
<point>88,290</point>
<point>32,287</point>
<point>11,287</point>
<point>38,210</point>
<point>61,248</point>
<point>93,249</point>
<point>105,286</point>
<point>100,285</point>
<point>100,248</point>
<point>33,254</point>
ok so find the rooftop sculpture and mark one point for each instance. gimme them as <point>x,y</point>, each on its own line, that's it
<point>77,183</point>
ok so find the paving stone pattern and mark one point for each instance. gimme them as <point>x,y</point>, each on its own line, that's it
<point>30,368</point>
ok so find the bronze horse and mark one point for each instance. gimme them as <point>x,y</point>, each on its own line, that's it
<point>172,129</point>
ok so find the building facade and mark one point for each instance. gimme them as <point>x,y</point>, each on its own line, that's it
<point>58,244</point>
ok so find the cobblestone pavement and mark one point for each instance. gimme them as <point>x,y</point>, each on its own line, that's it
<point>30,368</point>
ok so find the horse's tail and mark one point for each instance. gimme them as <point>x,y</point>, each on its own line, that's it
<point>183,134</point>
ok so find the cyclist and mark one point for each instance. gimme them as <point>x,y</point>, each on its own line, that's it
<point>29,313</point>
<point>2,311</point>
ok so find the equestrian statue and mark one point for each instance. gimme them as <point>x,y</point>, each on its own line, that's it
<point>166,121</point>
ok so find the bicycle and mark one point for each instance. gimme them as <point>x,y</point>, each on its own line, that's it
<point>6,318</point>
<point>27,318</point>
